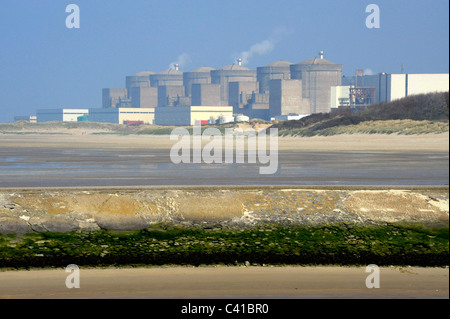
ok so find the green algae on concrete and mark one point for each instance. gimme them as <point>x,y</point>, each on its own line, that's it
<point>340,244</point>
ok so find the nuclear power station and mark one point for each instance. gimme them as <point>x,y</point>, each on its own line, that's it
<point>279,90</point>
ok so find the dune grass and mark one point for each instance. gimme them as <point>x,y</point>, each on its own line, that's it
<point>402,127</point>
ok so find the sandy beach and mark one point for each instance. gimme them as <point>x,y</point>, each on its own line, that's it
<point>357,142</point>
<point>228,282</point>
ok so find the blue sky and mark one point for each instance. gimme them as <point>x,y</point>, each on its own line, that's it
<point>43,64</point>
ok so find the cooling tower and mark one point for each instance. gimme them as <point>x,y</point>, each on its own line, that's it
<point>231,73</point>
<point>198,76</point>
<point>170,77</point>
<point>318,76</point>
<point>279,70</point>
<point>141,79</point>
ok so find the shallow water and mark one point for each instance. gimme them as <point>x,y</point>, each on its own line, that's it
<point>37,167</point>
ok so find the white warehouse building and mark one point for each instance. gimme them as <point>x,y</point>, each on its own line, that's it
<point>340,95</point>
<point>191,115</point>
<point>62,115</point>
<point>391,87</point>
<point>122,115</point>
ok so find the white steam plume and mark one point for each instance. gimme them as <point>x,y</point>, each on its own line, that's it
<point>368,72</point>
<point>182,60</point>
<point>260,48</point>
<point>263,47</point>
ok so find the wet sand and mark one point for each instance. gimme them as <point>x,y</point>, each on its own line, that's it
<point>105,160</point>
<point>228,282</point>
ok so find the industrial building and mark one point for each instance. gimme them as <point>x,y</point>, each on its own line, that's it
<point>113,97</point>
<point>170,77</point>
<point>231,73</point>
<point>205,94</point>
<point>278,90</point>
<point>122,115</point>
<point>317,76</point>
<point>289,117</point>
<point>192,115</point>
<point>197,76</point>
<point>280,70</point>
<point>62,115</point>
<point>383,87</point>
<point>340,96</point>
<point>390,87</point>
<point>146,97</point>
<point>138,80</point>
<point>287,88</point>
<point>286,98</point>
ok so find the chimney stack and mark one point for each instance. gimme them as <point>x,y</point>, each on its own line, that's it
<point>321,55</point>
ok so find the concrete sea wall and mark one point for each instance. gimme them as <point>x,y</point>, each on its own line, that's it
<point>89,209</point>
